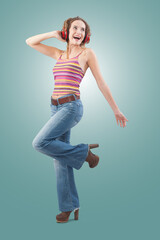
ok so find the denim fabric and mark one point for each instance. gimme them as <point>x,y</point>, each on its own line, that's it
<point>54,140</point>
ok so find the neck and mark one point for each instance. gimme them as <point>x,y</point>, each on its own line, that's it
<point>73,49</point>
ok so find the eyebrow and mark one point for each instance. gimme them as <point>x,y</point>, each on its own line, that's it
<point>77,26</point>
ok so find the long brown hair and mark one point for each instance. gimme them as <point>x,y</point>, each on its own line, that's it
<point>67,24</point>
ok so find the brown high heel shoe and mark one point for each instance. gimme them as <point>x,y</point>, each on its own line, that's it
<point>92,159</point>
<point>64,216</point>
<point>93,145</point>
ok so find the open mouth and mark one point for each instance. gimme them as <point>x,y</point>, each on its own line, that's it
<point>78,38</point>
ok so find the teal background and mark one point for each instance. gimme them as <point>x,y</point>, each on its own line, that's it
<point>119,199</point>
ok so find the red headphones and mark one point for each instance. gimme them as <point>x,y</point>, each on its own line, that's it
<point>65,34</point>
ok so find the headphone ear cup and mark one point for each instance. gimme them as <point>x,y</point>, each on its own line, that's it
<point>63,34</point>
<point>67,39</point>
<point>87,39</point>
<point>84,40</point>
<point>66,35</point>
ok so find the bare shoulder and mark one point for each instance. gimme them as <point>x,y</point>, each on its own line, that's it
<point>89,55</point>
<point>59,53</point>
<point>86,53</point>
<point>90,52</point>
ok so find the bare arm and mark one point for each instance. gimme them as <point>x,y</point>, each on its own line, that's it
<point>93,64</point>
<point>40,37</point>
<point>50,51</point>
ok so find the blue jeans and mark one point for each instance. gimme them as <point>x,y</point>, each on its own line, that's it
<point>54,140</point>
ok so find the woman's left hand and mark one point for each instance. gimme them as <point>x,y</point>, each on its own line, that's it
<point>121,118</point>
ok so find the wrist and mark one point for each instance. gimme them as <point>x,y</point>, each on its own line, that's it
<point>53,34</point>
<point>116,110</point>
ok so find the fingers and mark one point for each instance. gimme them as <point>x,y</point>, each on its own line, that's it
<point>117,120</point>
<point>122,120</point>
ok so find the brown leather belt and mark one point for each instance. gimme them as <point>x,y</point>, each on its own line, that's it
<point>63,100</point>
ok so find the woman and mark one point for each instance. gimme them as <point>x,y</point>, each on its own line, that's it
<point>67,109</point>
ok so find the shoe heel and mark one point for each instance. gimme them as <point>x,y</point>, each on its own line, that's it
<point>76,212</point>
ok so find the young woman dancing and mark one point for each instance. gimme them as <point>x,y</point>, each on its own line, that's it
<point>67,109</point>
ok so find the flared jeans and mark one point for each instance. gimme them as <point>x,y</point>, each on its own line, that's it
<point>54,140</point>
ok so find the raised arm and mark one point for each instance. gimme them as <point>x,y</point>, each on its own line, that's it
<point>50,51</point>
<point>93,64</point>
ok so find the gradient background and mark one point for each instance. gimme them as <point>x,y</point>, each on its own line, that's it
<point>120,198</point>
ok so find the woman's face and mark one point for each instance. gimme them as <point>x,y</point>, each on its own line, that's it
<point>77,29</point>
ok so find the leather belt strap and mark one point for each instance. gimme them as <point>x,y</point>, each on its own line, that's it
<point>63,100</point>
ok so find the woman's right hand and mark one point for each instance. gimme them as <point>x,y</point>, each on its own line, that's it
<point>58,36</point>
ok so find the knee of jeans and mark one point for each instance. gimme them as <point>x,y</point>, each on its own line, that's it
<point>36,144</point>
<point>39,143</point>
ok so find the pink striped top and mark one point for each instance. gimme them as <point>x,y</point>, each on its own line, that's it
<point>68,75</point>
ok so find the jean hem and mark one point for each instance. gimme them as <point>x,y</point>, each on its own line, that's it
<point>85,156</point>
<point>67,210</point>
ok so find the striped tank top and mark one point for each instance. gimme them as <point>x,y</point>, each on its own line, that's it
<point>68,75</point>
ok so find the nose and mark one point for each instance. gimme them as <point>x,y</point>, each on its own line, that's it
<point>78,32</point>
